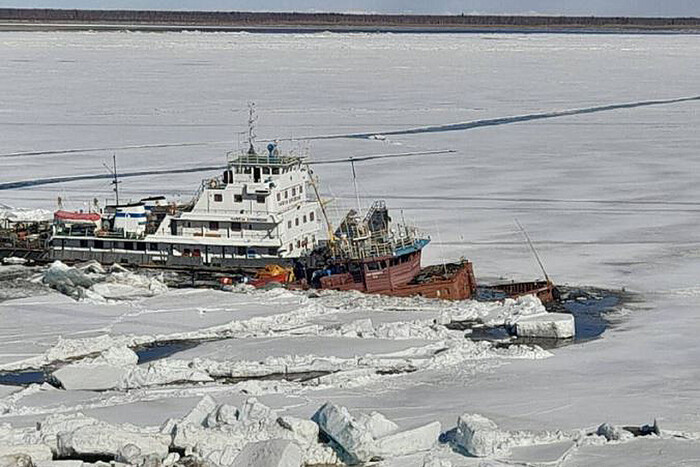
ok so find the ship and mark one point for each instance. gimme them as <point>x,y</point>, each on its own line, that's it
<point>261,210</point>
<point>369,253</point>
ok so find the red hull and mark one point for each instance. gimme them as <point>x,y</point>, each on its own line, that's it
<point>402,276</point>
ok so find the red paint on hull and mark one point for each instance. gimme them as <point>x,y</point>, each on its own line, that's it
<point>398,276</point>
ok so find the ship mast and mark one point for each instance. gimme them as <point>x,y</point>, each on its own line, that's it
<point>251,127</point>
<point>115,177</point>
<point>354,184</point>
<point>532,247</point>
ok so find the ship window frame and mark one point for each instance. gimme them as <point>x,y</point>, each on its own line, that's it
<point>218,197</point>
<point>289,224</point>
<point>296,222</point>
<point>275,171</point>
<point>213,225</point>
<point>279,197</point>
<point>153,246</point>
<point>238,198</point>
<point>260,199</point>
<point>294,191</point>
<point>286,194</point>
<point>304,218</point>
<point>266,171</point>
<point>236,227</point>
<point>99,244</point>
<point>373,266</point>
<point>311,216</point>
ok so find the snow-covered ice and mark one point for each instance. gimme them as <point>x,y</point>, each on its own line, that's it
<point>547,326</point>
<point>608,198</point>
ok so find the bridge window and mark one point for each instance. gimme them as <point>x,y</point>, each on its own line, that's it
<point>261,199</point>
<point>218,198</point>
<point>236,226</point>
<point>237,198</point>
<point>213,225</point>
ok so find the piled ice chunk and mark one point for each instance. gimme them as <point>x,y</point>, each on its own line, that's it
<point>91,281</point>
<point>372,436</point>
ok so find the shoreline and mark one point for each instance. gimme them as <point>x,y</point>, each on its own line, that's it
<point>26,19</point>
<point>11,26</point>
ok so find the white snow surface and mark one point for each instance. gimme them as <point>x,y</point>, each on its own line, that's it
<point>608,198</point>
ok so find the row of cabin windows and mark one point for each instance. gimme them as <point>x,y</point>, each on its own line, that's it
<point>215,225</point>
<point>264,170</point>
<point>311,218</point>
<point>240,251</point>
<point>286,193</point>
<point>141,246</point>
<point>302,243</point>
<point>101,244</point>
<point>218,198</point>
<point>379,265</point>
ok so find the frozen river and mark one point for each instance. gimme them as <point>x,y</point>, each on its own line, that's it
<point>610,198</point>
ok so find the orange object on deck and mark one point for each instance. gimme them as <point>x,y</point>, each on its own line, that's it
<point>272,273</point>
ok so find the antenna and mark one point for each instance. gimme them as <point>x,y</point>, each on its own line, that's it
<point>354,183</point>
<point>252,118</point>
<point>115,177</point>
<point>532,247</point>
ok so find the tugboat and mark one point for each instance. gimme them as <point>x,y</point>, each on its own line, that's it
<point>367,254</point>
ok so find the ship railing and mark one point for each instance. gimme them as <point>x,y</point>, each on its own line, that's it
<point>264,159</point>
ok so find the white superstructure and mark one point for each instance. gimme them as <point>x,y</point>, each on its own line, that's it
<point>261,206</point>
<point>262,209</point>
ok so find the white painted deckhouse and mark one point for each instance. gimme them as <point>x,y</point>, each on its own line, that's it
<point>262,209</point>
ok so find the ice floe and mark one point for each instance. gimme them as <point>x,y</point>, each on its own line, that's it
<point>545,326</point>
<point>92,282</point>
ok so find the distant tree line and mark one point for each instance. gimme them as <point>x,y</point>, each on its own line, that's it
<point>236,18</point>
